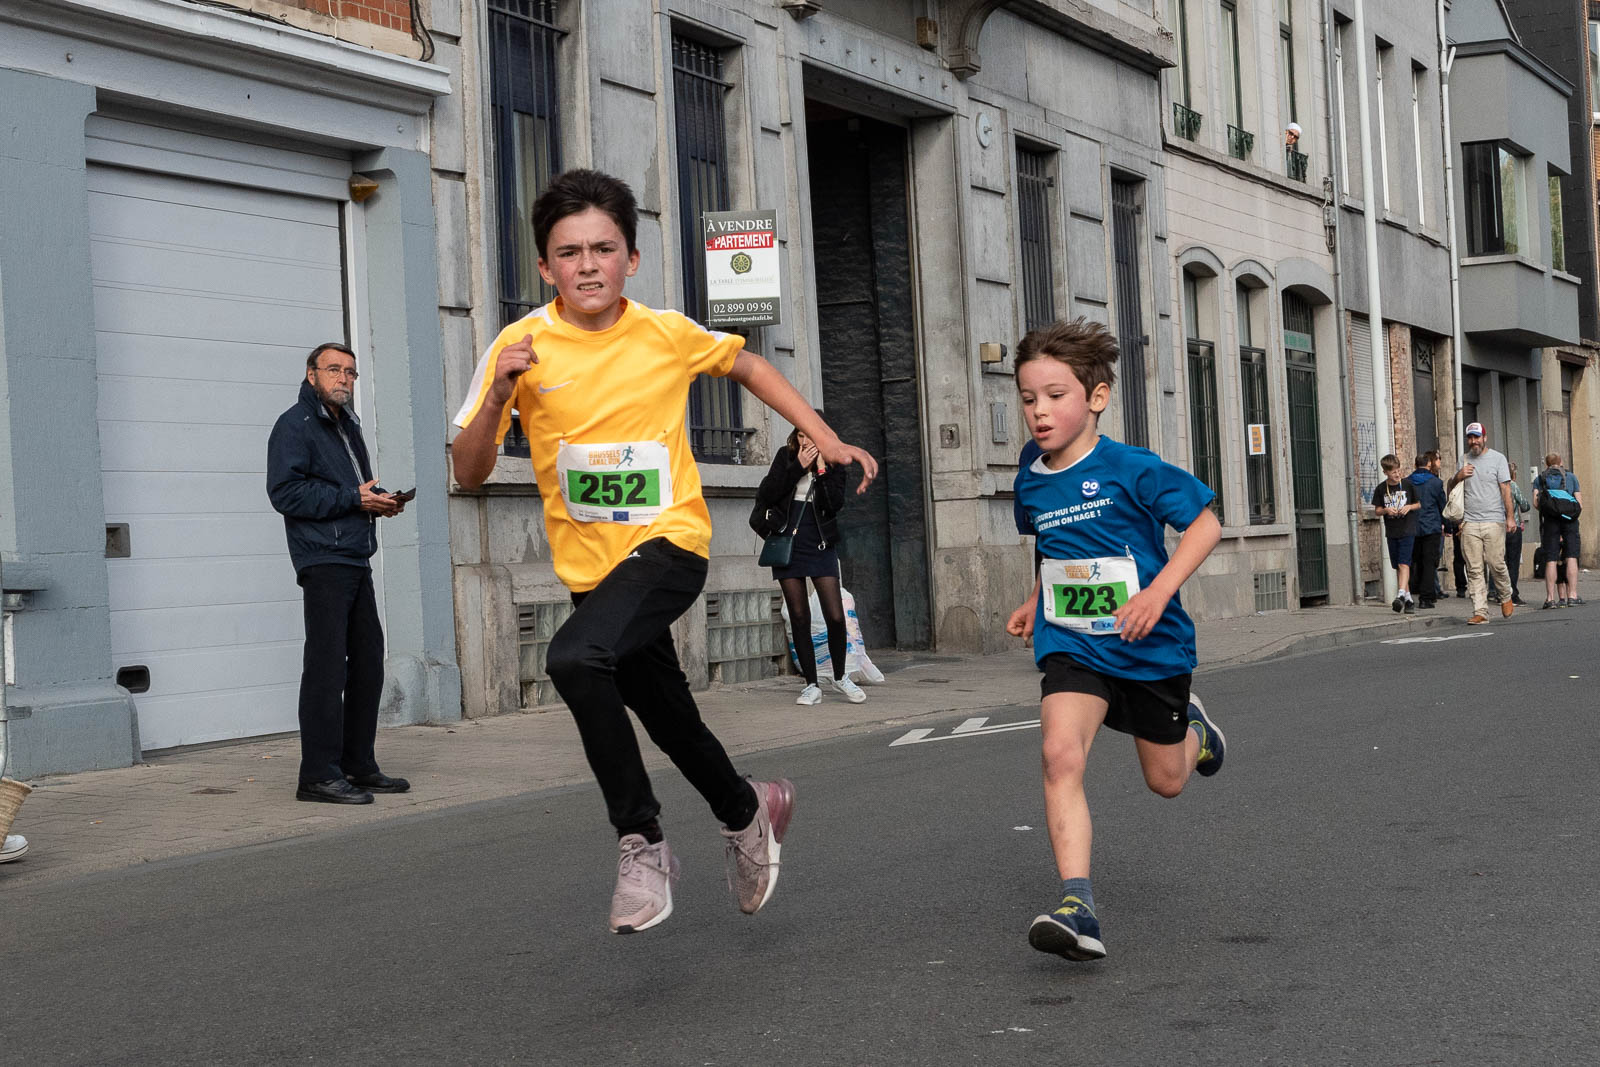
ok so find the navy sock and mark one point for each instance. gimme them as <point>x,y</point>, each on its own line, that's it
<point>1078,887</point>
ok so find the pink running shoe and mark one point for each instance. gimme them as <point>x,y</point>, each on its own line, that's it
<point>645,873</point>
<point>752,853</point>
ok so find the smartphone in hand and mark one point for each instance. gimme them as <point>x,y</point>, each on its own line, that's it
<point>407,496</point>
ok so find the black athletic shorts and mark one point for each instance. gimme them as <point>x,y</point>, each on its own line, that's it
<point>1156,711</point>
<point>1559,538</point>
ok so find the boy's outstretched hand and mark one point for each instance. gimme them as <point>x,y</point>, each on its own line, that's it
<point>1140,614</point>
<point>840,454</point>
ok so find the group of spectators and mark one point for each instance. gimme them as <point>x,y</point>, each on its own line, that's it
<point>1487,536</point>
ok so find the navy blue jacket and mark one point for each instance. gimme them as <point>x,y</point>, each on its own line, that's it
<point>313,486</point>
<point>1428,491</point>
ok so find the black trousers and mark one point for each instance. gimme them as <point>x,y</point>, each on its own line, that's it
<point>615,652</point>
<point>1458,565</point>
<point>342,677</point>
<point>1425,566</point>
<point>1514,558</point>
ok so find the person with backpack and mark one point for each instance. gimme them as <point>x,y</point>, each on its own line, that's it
<point>1560,501</point>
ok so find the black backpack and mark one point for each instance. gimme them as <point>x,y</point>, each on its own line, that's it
<point>1557,503</point>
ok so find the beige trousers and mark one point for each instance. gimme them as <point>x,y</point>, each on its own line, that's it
<point>1485,543</point>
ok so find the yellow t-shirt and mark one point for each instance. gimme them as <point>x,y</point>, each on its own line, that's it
<point>625,388</point>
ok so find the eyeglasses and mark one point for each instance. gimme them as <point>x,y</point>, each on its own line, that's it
<point>340,372</point>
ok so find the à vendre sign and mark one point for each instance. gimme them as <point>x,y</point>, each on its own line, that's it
<point>743,277</point>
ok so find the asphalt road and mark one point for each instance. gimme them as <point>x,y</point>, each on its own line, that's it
<point>1396,866</point>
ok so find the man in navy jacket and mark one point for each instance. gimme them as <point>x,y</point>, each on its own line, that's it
<point>320,479</point>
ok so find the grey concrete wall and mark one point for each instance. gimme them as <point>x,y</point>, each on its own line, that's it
<point>422,682</point>
<point>66,712</point>
<point>1411,239</point>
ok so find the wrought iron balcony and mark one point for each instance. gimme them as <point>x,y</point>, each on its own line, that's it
<point>1185,122</point>
<point>1240,142</point>
<point>1294,164</point>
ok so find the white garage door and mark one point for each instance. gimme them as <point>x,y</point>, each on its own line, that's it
<point>207,298</point>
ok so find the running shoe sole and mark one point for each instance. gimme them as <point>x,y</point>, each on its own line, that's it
<point>1049,935</point>
<point>1215,765</point>
<point>780,807</point>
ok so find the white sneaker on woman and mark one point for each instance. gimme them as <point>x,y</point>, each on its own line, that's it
<point>809,695</point>
<point>852,692</point>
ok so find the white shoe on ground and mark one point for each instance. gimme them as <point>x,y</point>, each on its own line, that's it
<point>809,695</point>
<point>14,848</point>
<point>852,692</point>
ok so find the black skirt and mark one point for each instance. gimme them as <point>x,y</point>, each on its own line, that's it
<point>809,559</point>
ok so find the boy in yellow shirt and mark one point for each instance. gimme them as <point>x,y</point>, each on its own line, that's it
<point>602,387</point>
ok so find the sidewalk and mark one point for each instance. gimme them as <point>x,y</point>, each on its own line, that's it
<point>224,796</point>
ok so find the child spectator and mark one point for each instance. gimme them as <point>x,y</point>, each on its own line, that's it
<point>1427,490</point>
<point>1110,635</point>
<point>1392,499</point>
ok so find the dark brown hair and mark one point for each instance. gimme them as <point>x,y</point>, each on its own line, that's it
<point>1082,344</point>
<point>576,191</point>
<point>793,444</point>
<point>327,346</point>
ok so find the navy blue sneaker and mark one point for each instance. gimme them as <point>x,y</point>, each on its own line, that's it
<point>1071,931</point>
<point>1212,743</point>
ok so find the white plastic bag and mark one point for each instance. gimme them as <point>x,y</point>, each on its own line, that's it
<point>856,662</point>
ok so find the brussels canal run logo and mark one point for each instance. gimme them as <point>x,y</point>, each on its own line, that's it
<point>741,263</point>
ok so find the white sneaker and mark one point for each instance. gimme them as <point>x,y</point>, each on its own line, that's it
<point>852,692</point>
<point>14,848</point>
<point>809,695</point>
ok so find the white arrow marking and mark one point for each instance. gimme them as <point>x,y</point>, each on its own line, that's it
<point>917,737</point>
<point>1429,640</point>
<point>911,738</point>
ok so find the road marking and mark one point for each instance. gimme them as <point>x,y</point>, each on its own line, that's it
<point>1446,637</point>
<point>969,728</point>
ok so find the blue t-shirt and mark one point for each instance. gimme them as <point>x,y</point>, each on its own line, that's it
<point>1116,500</point>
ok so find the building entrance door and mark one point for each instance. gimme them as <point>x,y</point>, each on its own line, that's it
<point>1305,451</point>
<point>861,248</point>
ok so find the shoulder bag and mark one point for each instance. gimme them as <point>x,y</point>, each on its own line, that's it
<point>1455,507</point>
<point>778,549</point>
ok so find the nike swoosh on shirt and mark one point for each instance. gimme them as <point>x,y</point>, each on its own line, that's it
<point>553,388</point>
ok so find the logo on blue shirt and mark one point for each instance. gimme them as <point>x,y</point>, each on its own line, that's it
<point>1090,487</point>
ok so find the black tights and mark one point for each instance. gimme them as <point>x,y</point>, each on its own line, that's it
<point>799,604</point>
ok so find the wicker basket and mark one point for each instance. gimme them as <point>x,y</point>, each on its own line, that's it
<point>12,793</point>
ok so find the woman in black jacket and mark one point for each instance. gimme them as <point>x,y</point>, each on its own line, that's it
<point>797,470</point>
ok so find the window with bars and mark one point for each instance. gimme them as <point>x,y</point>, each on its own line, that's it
<point>717,433</point>
<point>1205,414</point>
<point>1033,221</point>
<point>525,116</point>
<point>1256,396</point>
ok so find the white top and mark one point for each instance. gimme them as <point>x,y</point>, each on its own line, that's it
<point>803,486</point>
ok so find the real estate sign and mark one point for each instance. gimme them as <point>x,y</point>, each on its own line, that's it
<point>743,277</point>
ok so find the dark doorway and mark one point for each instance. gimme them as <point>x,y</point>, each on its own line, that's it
<point>861,250</point>
<point>1305,450</point>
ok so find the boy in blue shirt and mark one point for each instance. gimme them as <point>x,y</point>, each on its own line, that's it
<point>1109,633</point>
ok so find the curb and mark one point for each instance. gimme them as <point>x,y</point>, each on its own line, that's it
<point>1300,644</point>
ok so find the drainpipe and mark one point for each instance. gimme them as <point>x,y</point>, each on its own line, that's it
<point>1384,435</point>
<point>1352,486</point>
<point>1447,58</point>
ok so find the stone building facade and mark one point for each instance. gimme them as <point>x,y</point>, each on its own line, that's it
<point>942,175</point>
<point>1258,408</point>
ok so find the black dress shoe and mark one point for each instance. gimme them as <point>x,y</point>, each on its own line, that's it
<point>379,783</point>
<point>333,791</point>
